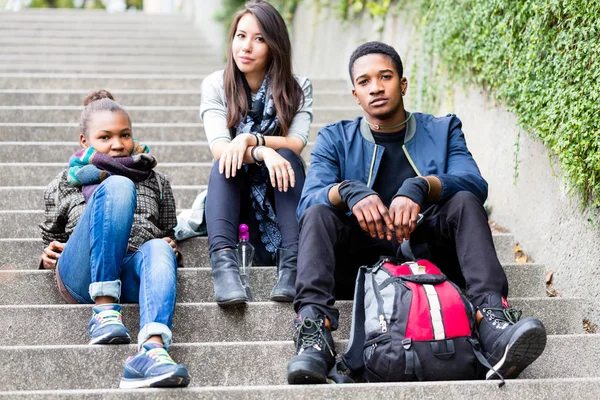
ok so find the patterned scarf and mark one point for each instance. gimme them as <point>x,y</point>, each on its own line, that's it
<point>262,119</point>
<point>88,167</point>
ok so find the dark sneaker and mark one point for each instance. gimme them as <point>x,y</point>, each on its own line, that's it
<point>315,350</point>
<point>152,366</point>
<point>106,326</point>
<point>509,343</point>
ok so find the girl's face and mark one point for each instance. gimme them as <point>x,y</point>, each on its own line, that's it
<point>249,50</point>
<point>109,133</point>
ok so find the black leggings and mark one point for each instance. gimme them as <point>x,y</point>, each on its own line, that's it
<point>226,198</point>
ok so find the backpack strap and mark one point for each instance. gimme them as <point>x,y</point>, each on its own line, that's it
<point>337,374</point>
<point>353,356</point>
<point>483,361</point>
<point>413,365</point>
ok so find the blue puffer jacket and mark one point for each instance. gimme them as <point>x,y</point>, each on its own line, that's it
<point>434,146</point>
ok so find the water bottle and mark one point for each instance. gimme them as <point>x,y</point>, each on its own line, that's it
<point>245,257</point>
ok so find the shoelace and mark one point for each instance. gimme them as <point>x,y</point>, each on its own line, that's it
<point>312,338</point>
<point>110,317</point>
<point>160,355</point>
<point>509,315</point>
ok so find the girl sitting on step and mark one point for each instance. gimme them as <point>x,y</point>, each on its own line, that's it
<point>256,116</point>
<point>109,234</point>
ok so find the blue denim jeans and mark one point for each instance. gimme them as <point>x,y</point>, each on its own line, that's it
<point>96,260</point>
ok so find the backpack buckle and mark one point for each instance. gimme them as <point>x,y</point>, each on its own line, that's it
<point>406,344</point>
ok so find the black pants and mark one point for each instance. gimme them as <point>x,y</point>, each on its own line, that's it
<point>229,199</point>
<point>333,247</point>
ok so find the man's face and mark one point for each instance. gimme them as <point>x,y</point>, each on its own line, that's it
<point>378,88</point>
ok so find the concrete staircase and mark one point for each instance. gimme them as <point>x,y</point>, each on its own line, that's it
<point>154,65</point>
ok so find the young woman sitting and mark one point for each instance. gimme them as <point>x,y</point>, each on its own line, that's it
<point>256,116</point>
<point>109,234</point>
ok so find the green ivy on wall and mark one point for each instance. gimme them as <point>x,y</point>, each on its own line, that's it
<point>540,58</point>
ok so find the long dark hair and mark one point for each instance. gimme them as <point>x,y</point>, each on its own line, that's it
<point>287,93</point>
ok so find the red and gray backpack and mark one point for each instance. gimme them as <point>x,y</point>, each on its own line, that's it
<point>411,323</point>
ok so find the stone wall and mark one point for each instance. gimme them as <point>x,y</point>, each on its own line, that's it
<point>202,13</point>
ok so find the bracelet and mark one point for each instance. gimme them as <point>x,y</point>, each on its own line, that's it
<point>257,141</point>
<point>253,154</point>
<point>260,135</point>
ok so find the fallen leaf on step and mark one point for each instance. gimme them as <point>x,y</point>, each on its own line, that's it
<point>548,277</point>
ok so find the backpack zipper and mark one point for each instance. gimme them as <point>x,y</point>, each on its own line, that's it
<point>382,321</point>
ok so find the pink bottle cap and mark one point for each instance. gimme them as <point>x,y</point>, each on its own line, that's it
<point>243,232</point>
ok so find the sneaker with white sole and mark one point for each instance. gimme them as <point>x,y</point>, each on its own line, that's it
<point>510,344</point>
<point>106,326</point>
<point>152,366</point>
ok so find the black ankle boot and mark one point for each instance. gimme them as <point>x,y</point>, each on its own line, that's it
<point>285,288</point>
<point>226,278</point>
<point>509,343</point>
<point>315,350</point>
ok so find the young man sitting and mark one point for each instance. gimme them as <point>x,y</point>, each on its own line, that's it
<point>368,181</point>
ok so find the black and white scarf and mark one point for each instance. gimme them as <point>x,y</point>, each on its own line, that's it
<point>262,118</point>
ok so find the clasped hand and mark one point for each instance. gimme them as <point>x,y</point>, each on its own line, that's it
<point>379,221</point>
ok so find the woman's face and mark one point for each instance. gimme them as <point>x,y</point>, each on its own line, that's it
<point>250,51</point>
<point>109,133</point>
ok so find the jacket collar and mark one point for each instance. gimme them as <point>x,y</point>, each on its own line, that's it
<point>411,128</point>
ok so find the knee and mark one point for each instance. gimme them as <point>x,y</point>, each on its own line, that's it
<point>121,187</point>
<point>214,171</point>
<point>160,251</point>
<point>465,199</point>
<point>159,247</point>
<point>288,155</point>
<point>117,182</point>
<point>317,212</point>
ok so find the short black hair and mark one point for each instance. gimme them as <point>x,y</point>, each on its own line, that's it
<point>375,48</point>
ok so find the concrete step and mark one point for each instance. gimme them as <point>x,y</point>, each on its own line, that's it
<point>115,82</point>
<point>108,20</point>
<point>56,152</point>
<point>147,132</point>
<point>77,27</point>
<point>234,364</point>
<point>53,30</point>
<point>175,51</point>
<point>100,67</point>
<point>50,13</point>
<point>40,174</point>
<point>32,198</point>
<point>24,253</point>
<point>147,114</point>
<point>531,389</point>
<point>149,61</point>
<point>24,224</point>
<point>336,98</point>
<point>193,41</point>
<point>167,152</point>
<point>199,322</point>
<point>194,285</point>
